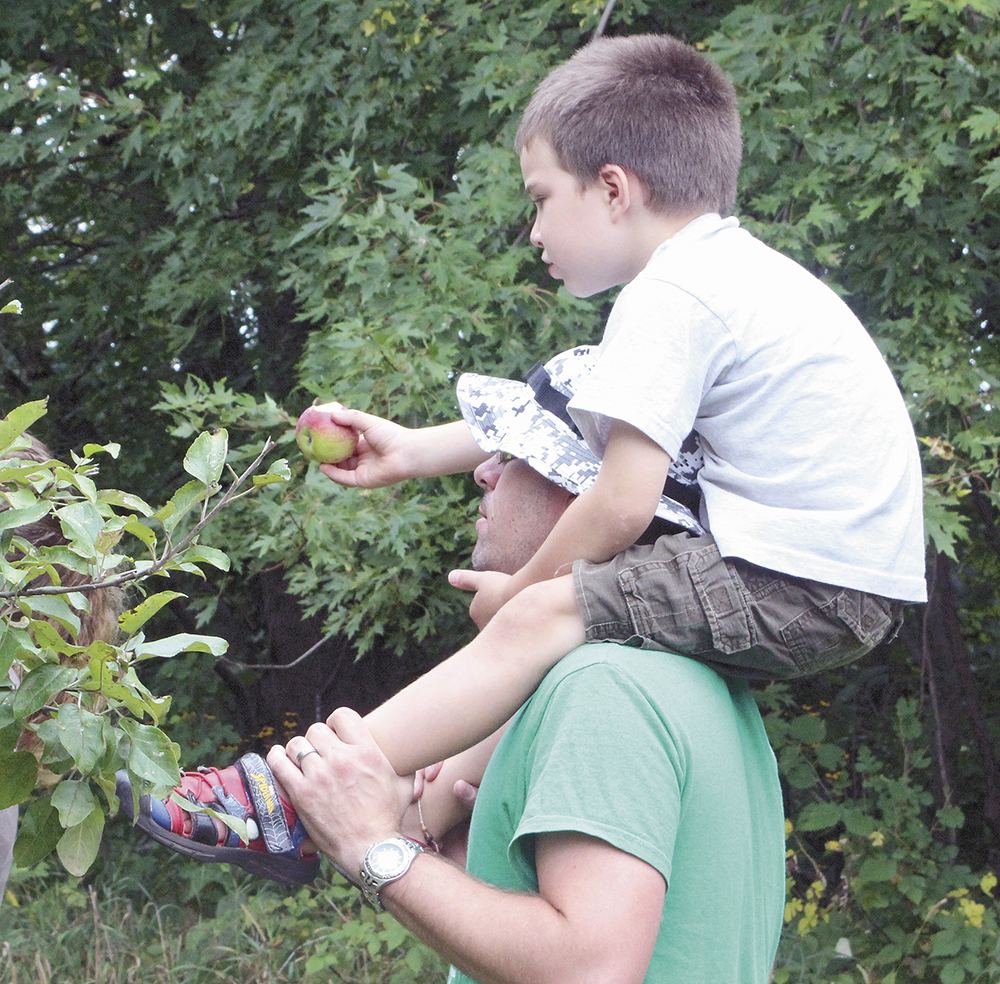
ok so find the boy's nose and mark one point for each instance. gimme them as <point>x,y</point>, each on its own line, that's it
<point>535,239</point>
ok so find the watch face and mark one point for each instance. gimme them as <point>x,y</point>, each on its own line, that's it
<point>387,860</point>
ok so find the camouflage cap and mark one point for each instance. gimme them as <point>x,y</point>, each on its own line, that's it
<point>530,421</point>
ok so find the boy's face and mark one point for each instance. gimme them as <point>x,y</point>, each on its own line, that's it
<point>573,224</point>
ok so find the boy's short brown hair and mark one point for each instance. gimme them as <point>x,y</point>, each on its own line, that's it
<point>650,104</point>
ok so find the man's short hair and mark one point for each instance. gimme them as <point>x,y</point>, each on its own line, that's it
<point>650,104</point>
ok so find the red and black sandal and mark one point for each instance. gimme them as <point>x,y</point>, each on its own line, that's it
<point>246,790</point>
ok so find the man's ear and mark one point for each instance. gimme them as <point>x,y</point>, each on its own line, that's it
<point>622,189</point>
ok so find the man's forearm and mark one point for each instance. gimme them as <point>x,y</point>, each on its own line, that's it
<point>499,937</point>
<point>489,935</point>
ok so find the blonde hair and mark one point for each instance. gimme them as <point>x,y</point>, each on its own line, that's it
<point>650,104</point>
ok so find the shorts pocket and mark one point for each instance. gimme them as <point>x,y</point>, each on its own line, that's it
<point>843,629</point>
<point>688,603</point>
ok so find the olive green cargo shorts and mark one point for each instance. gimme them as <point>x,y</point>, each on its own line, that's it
<point>681,595</point>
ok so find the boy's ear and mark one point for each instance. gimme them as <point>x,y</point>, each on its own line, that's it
<point>622,189</point>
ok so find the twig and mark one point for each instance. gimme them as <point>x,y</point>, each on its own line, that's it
<point>231,495</point>
<point>278,666</point>
<point>605,17</point>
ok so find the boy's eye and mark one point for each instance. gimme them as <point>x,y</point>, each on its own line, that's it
<point>504,457</point>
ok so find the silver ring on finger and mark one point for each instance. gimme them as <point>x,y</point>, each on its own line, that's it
<point>305,751</point>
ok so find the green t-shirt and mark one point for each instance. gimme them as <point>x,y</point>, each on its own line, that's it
<point>665,759</point>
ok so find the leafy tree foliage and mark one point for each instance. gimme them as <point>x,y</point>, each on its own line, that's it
<point>215,212</point>
<point>79,710</point>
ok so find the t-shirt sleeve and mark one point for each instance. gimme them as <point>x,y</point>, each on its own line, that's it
<point>604,764</point>
<point>662,351</point>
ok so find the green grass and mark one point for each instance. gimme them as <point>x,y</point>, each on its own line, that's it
<point>145,915</point>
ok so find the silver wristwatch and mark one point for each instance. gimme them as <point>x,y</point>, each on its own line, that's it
<point>385,862</point>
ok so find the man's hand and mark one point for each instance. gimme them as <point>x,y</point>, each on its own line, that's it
<point>493,591</point>
<point>347,794</point>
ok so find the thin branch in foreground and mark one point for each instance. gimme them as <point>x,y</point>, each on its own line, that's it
<point>134,574</point>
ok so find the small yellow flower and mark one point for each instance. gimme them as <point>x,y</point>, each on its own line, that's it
<point>972,911</point>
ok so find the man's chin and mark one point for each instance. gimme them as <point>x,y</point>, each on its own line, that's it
<point>479,558</point>
<point>485,559</point>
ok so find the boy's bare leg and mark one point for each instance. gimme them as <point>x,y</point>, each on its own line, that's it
<point>466,698</point>
<point>462,704</point>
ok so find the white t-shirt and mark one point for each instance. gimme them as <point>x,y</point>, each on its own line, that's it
<point>811,465</point>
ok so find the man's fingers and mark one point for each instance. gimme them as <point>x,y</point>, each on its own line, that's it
<point>283,767</point>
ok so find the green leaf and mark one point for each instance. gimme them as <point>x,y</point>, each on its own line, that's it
<point>82,524</point>
<point>206,457</point>
<point>112,449</point>
<point>181,643</point>
<point>278,472</point>
<point>953,973</point>
<point>233,823</point>
<point>74,801</point>
<point>947,942</point>
<point>132,620</point>
<point>10,729</point>
<point>880,868</point>
<point>38,833</point>
<point>122,687</point>
<point>808,728</point>
<point>81,733</point>
<point>180,502</point>
<point>141,532</point>
<point>13,518</point>
<point>126,500</point>
<point>818,816</point>
<point>19,420</point>
<point>57,609</point>
<point>78,846</point>
<point>200,553</point>
<point>40,685</point>
<point>951,816</point>
<point>152,757</point>
<point>18,775</point>
<point>14,643</point>
<point>983,123</point>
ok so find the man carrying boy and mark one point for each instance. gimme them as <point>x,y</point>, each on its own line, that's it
<point>629,826</point>
<point>811,533</point>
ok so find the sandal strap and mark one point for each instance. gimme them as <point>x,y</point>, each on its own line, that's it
<point>203,829</point>
<point>230,803</point>
<point>258,780</point>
